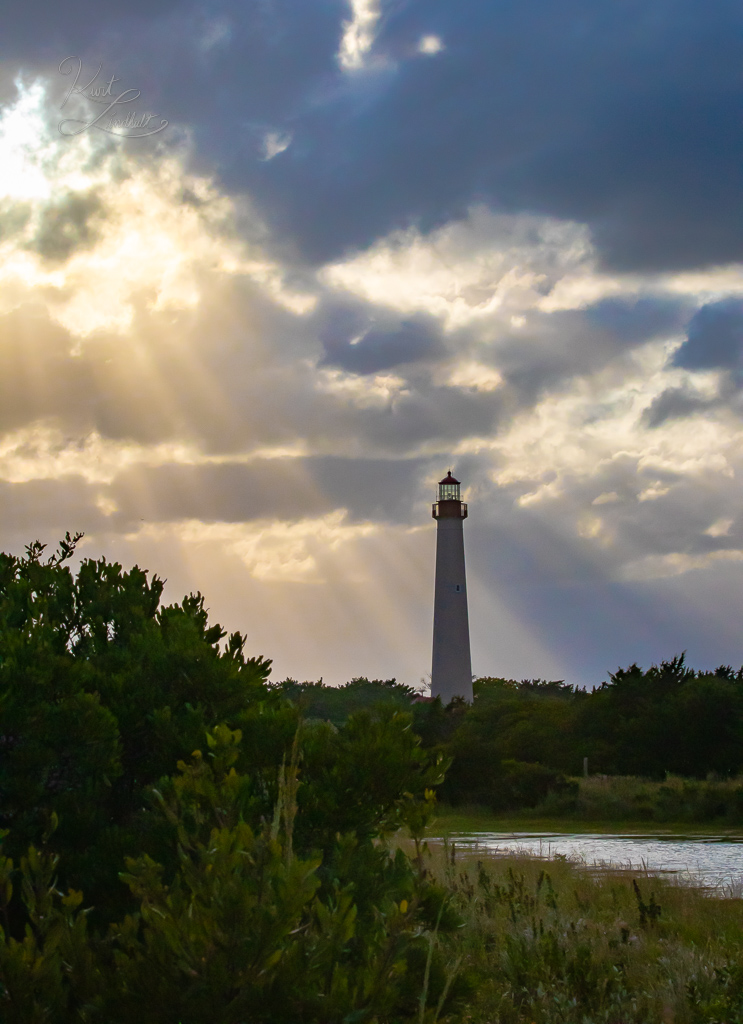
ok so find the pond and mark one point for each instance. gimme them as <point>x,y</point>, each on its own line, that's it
<point>711,861</point>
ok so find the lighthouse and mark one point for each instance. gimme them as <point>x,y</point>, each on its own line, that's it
<point>451,672</point>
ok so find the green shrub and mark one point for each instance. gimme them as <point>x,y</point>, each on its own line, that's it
<point>626,798</point>
<point>246,928</point>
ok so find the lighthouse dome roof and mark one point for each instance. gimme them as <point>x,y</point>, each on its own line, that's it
<point>449,479</point>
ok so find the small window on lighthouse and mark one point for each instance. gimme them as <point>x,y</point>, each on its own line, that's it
<point>458,587</point>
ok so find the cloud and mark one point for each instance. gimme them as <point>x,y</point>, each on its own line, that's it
<point>41,21</point>
<point>606,118</point>
<point>469,269</point>
<point>674,403</point>
<point>358,33</point>
<point>585,116</point>
<point>369,347</point>
<point>715,337</point>
<point>635,320</point>
<point>287,488</point>
<point>271,551</point>
<point>66,225</point>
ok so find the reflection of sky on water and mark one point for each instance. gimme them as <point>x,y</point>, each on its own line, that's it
<point>715,861</point>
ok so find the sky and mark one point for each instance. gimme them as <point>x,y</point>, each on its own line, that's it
<point>269,268</point>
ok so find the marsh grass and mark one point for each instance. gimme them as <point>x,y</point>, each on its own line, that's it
<point>617,803</point>
<point>548,942</point>
<point>628,798</point>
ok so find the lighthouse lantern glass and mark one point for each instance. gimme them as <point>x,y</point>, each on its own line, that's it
<point>449,492</point>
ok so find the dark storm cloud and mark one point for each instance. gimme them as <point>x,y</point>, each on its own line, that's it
<point>714,341</point>
<point>36,26</point>
<point>377,489</point>
<point>356,340</point>
<point>230,71</point>
<point>635,321</point>
<point>627,117</point>
<point>675,403</point>
<point>429,417</point>
<point>715,338</point>
<point>39,34</point>
<point>611,115</point>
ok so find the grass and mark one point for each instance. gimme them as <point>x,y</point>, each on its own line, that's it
<point>451,820</point>
<point>549,943</point>
<point>618,804</point>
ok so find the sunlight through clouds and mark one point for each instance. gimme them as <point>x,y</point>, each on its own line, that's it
<point>269,550</point>
<point>468,269</point>
<point>358,33</point>
<point>43,452</point>
<point>505,264</point>
<point>381,389</point>
<point>155,232</point>
<point>26,147</point>
<point>571,435</point>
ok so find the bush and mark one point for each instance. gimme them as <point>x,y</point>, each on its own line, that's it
<point>102,690</point>
<point>523,785</point>
<point>247,927</point>
<point>627,798</point>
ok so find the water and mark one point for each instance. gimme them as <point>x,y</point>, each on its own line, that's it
<point>715,862</point>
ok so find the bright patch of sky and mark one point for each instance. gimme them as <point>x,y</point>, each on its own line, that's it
<point>358,33</point>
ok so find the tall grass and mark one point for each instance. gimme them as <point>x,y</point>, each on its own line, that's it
<point>628,798</point>
<point>549,943</point>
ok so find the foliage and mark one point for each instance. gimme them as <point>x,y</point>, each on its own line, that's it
<point>518,743</point>
<point>102,689</point>
<point>250,930</point>
<point>256,884</point>
<point>626,798</point>
<point>554,944</point>
<point>245,929</point>
<point>670,719</point>
<point>337,703</point>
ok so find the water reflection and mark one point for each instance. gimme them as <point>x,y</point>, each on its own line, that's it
<point>711,861</point>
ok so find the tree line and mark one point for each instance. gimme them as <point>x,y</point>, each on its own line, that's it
<point>520,740</point>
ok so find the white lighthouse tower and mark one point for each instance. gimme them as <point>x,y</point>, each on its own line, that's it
<point>451,672</point>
